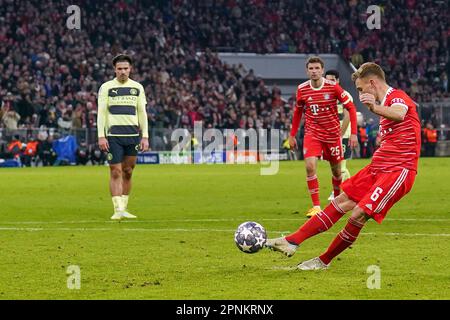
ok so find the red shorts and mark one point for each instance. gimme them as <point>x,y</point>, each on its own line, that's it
<point>331,152</point>
<point>376,192</point>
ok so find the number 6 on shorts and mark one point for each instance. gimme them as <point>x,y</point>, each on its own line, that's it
<point>376,194</point>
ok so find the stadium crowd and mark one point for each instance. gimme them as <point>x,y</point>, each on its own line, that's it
<point>50,75</point>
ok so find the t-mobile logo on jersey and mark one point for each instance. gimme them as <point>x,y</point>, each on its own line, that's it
<point>314,108</point>
<point>374,18</point>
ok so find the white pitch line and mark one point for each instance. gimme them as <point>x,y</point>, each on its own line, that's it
<point>206,230</point>
<point>198,220</point>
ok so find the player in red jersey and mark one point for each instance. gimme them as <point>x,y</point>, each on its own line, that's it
<point>317,99</point>
<point>378,186</point>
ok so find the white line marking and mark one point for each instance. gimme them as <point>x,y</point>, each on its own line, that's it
<point>284,268</point>
<point>300,219</point>
<point>204,230</point>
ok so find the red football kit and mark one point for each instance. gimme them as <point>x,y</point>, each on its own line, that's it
<point>390,175</point>
<point>322,126</point>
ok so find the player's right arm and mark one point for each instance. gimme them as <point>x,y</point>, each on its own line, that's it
<point>101,118</point>
<point>396,111</point>
<point>297,117</point>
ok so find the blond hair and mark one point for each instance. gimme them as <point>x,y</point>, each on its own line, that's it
<point>367,69</point>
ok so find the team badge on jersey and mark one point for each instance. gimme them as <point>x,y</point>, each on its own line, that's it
<point>110,156</point>
<point>133,92</point>
<point>326,96</point>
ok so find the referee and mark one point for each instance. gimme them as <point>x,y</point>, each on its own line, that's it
<point>122,130</point>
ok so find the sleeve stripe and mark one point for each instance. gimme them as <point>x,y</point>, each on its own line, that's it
<point>347,101</point>
<point>400,104</point>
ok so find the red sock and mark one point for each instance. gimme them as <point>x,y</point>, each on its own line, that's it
<point>336,185</point>
<point>344,239</point>
<point>318,223</point>
<point>313,187</point>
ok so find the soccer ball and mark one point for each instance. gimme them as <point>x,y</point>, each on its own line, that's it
<point>250,237</point>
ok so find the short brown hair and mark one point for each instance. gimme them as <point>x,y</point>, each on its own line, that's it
<point>367,69</point>
<point>315,59</point>
<point>122,58</point>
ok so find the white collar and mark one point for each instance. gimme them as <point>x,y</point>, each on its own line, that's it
<point>389,90</point>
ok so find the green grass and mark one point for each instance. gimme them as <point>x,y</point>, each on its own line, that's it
<point>181,247</point>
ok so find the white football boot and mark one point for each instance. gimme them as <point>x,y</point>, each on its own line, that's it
<point>313,264</point>
<point>128,215</point>
<point>116,216</point>
<point>281,245</point>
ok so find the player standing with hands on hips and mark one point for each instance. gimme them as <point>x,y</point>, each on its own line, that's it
<point>122,128</point>
<point>377,187</point>
<point>317,98</point>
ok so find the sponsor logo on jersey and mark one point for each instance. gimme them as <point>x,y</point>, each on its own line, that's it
<point>309,99</point>
<point>398,100</point>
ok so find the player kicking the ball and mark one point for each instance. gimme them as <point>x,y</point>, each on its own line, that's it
<point>317,98</point>
<point>378,186</point>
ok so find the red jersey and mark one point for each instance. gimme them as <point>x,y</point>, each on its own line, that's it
<point>400,141</point>
<point>321,112</point>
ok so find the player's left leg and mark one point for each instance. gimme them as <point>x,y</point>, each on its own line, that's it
<point>344,239</point>
<point>332,152</point>
<point>336,178</point>
<point>345,174</point>
<point>319,223</point>
<point>115,156</point>
<point>131,145</point>
<point>128,164</point>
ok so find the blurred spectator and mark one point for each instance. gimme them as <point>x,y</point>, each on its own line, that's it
<point>82,153</point>
<point>14,148</point>
<point>46,153</point>
<point>372,132</point>
<point>10,119</point>
<point>96,156</point>
<point>430,138</point>
<point>363,141</point>
<point>30,152</point>
<point>58,80</point>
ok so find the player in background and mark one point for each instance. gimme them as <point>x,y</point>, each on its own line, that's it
<point>317,99</point>
<point>122,130</point>
<point>377,187</point>
<point>344,118</point>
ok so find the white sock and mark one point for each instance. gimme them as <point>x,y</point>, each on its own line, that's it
<point>125,201</point>
<point>118,204</point>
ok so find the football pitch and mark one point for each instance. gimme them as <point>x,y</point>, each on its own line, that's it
<point>56,220</point>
